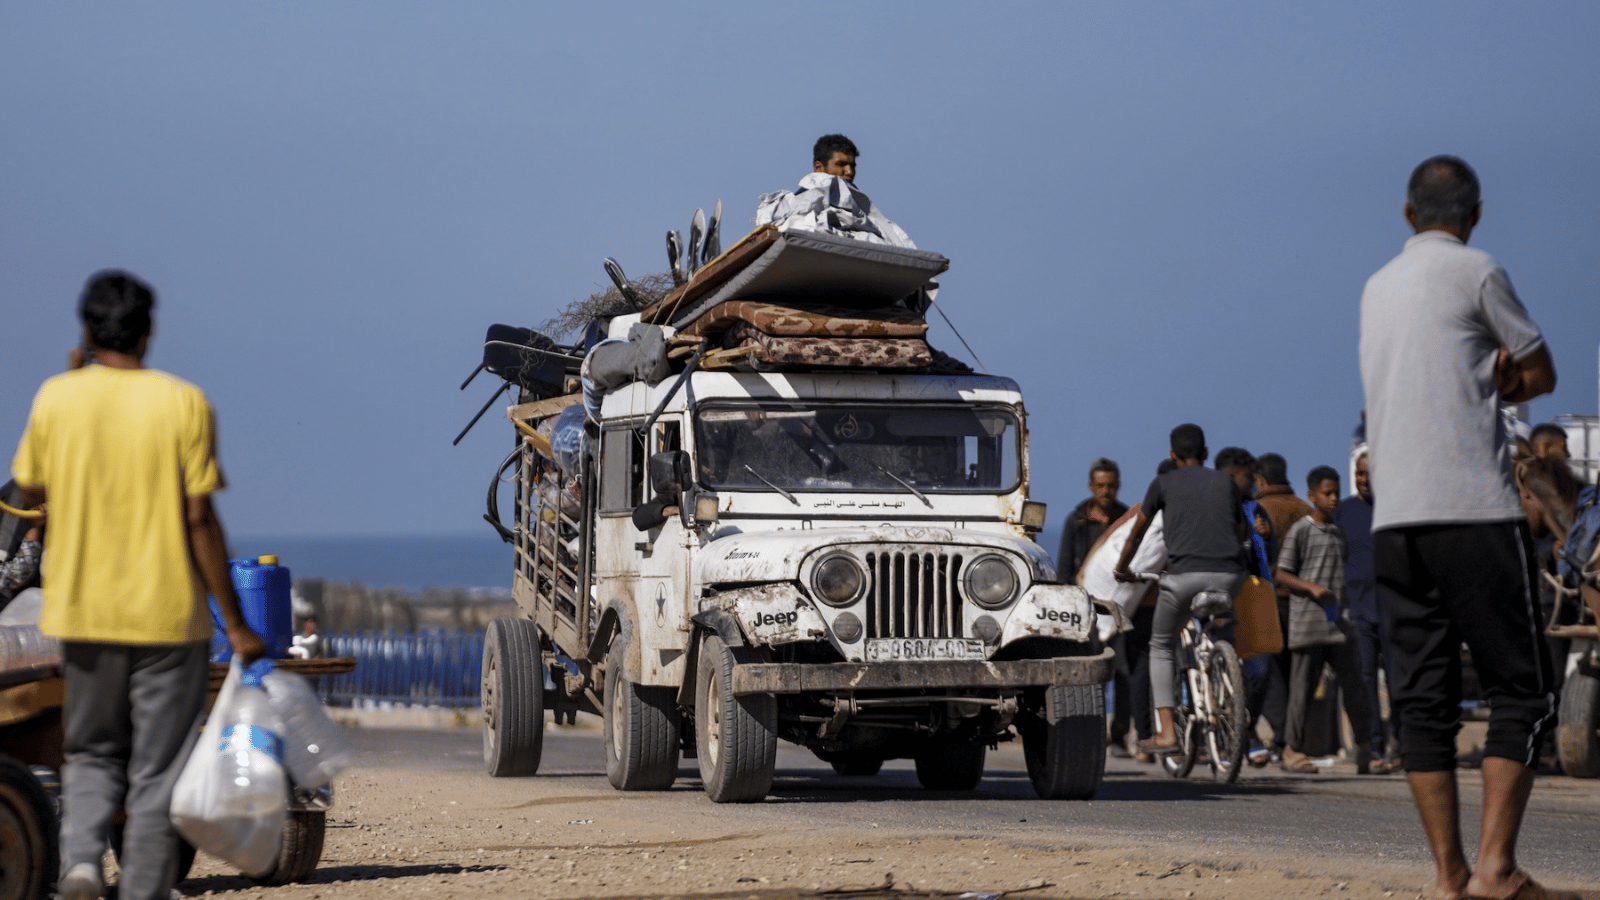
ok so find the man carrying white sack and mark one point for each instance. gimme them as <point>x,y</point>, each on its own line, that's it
<point>1096,577</point>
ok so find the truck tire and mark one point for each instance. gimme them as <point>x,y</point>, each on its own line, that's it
<point>1065,746</point>
<point>302,847</point>
<point>737,736</point>
<point>640,728</point>
<point>951,766</point>
<point>29,857</point>
<point>1578,732</point>
<point>512,692</point>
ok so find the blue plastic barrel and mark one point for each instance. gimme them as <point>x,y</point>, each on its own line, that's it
<point>264,597</point>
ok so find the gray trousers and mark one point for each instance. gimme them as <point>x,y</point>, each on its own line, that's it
<point>1305,673</point>
<point>1172,614</point>
<point>130,718</point>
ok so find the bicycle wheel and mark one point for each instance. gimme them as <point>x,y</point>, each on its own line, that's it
<point>1226,740</point>
<point>1181,763</point>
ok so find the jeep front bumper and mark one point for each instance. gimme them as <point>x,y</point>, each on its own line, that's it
<point>797,678</point>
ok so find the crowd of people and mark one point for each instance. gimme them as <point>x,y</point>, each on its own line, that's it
<point>1316,550</point>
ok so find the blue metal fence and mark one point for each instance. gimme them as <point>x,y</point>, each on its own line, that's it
<point>430,667</point>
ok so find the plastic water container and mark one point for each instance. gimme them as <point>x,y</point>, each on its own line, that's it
<point>251,750</point>
<point>231,799</point>
<point>315,748</point>
<point>264,596</point>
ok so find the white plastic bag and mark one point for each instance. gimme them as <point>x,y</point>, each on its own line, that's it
<point>315,748</point>
<point>231,799</point>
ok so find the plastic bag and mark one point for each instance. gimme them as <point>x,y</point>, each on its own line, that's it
<point>231,799</point>
<point>315,748</point>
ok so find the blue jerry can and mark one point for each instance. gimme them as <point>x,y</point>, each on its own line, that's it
<point>264,597</point>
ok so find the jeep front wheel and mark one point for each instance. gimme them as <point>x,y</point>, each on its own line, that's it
<point>737,736</point>
<point>1065,744</point>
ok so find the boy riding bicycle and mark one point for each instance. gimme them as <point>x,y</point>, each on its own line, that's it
<point>1205,531</point>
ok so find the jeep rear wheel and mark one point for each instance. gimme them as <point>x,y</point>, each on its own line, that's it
<point>640,729</point>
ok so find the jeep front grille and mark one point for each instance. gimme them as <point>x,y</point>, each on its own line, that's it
<point>914,595</point>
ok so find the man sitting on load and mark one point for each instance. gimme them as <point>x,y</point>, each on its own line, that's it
<point>828,200</point>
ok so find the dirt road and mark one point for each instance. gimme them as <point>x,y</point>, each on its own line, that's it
<point>418,818</point>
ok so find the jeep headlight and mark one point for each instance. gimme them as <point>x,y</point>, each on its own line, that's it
<point>838,580</point>
<point>991,582</point>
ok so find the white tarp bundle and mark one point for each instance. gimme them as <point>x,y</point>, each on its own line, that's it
<point>1150,557</point>
<point>829,203</point>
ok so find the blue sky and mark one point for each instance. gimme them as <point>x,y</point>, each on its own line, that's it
<point>1155,213</point>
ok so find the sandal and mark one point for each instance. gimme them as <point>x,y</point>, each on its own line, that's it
<point>1295,761</point>
<point>1526,889</point>
<point>1155,747</point>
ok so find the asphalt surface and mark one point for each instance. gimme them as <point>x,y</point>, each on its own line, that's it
<point>1334,821</point>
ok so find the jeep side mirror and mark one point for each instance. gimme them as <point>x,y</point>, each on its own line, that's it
<point>669,473</point>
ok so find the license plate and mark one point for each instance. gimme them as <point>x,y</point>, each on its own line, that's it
<point>890,649</point>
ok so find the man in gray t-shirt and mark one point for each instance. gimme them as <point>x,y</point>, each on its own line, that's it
<point>1444,341</point>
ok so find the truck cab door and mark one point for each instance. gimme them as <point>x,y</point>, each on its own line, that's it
<point>649,569</point>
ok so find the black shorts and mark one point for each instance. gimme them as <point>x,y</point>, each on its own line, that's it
<point>1440,586</point>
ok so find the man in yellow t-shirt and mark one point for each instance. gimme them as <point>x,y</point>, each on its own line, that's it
<point>127,458</point>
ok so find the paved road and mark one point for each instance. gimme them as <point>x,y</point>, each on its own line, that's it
<point>1334,821</point>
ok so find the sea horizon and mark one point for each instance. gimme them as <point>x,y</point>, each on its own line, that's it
<point>410,562</point>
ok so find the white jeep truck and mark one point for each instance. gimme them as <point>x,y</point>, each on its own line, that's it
<point>841,559</point>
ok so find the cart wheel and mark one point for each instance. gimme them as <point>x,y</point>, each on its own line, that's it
<point>302,847</point>
<point>1578,733</point>
<point>29,857</point>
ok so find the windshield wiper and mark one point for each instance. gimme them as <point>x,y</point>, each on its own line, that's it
<point>769,484</point>
<point>907,485</point>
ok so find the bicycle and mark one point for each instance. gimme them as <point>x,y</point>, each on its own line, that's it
<point>1211,710</point>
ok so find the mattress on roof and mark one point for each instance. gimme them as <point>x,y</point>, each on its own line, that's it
<point>809,267</point>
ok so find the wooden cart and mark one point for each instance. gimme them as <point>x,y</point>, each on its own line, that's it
<point>31,735</point>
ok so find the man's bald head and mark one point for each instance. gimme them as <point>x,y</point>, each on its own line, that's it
<point>1443,194</point>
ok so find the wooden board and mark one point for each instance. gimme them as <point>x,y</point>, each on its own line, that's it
<point>333,665</point>
<point>540,409</point>
<point>713,273</point>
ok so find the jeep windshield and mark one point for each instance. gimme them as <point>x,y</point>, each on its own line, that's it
<point>919,449</point>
